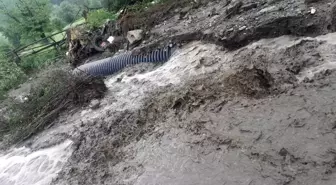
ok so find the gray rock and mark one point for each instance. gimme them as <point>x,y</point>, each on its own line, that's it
<point>94,104</point>
<point>134,36</point>
<point>185,10</point>
<point>212,12</point>
<point>242,28</point>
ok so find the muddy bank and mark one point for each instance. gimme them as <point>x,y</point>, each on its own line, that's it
<point>233,24</point>
<point>260,115</point>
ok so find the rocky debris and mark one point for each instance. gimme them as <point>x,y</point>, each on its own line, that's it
<point>233,8</point>
<point>312,1</point>
<point>184,11</point>
<point>135,36</point>
<point>264,20</point>
<point>242,28</point>
<point>94,104</point>
<point>83,43</point>
<point>213,12</point>
<point>295,25</point>
<point>116,44</point>
<point>249,6</point>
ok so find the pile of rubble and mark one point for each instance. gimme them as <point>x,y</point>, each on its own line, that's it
<point>127,32</point>
<point>84,43</point>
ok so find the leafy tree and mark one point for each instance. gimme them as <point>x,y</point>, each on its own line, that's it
<point>98,17</point>
<point>12,34</point>
<point>115,4</point>
<point>94,3</point>
<point>68,12</point>
<point>31,19</point>
<point>34,16</point>
<point>58,2</point>
<point>10,75</point>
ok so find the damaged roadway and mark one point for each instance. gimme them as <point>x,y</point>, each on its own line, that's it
<point>240,104</point>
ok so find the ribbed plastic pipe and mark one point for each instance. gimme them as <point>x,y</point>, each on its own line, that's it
<point>109,66</point>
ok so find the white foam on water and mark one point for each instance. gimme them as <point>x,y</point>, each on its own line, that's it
<point>309,73</point>
<point>22,166</point>
<point>329,61</point>
<point>182,66</point>
<point>330,38</point>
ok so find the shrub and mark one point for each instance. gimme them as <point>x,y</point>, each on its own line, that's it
<point>35,62</point>
<point>98,17</point>
<point>56,91</point>
<point>10,76</point>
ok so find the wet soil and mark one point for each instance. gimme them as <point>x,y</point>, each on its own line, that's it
<point>263,114</point>
<point>227,109</point>
<point>233,24</point>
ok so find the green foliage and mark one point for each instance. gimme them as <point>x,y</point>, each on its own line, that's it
<point>66,13</point>
<point>38,98</point>
<point>34,16</point>
<point>58,23</point>
<point>69,12</point>
<point>115,5</point>
<point>10,76</point>
<point>26,20</point>
<point>38,61</point>
<point>94,3</point>
<point>5,46</point>
<point>99,17</point>
<point>55,91</point>
<point>11,33</point>
<point>142,5</point>
<point>75,24</point>
<point>3,40</point>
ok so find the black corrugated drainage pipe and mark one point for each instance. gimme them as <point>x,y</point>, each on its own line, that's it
<point>114,64</point>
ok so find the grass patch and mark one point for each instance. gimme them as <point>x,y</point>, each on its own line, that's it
<point>74,24</point>
<point>59,36</point>
<point>98,17</point>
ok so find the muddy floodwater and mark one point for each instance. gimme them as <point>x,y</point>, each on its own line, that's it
<point>250,103</point>
<point>21,166</point>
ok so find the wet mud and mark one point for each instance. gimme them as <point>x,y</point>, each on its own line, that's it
<point>263,114</point>
<point>241,105</point>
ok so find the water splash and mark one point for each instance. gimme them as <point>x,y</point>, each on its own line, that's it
<point>24,167</point>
